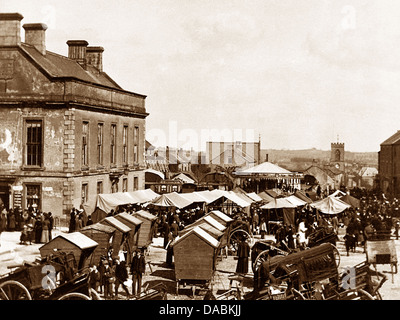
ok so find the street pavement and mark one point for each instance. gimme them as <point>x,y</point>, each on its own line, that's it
<point>14,253</point>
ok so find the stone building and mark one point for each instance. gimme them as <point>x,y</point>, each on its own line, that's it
<point>389,165</point>
<point>68,131</point>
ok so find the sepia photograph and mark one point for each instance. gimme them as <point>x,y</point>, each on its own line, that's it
<point>206,155</point>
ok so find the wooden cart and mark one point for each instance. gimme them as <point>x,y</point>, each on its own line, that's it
<point>195,256</point>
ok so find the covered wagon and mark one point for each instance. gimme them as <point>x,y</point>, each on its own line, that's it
<point>195,255</point>
<point>81,246</point>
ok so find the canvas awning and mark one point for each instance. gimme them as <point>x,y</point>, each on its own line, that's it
<point>184,178</point>
<point>110,201</point>
<point>278,203</point>
<point>77,238</point>
<point>266,169</point>
<point>230,195</point>
<point>265,196</point>
<point>254,196</point>
<point>201,233</point>
<point>301,195</point>
<point>330,205</point>
<point>354,202</point>
<point>296,201</point>
<point>172,199</point>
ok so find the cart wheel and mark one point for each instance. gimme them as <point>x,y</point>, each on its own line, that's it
<point>94,295</point>
<point>14,290</point>
<point>263,256</point>
<point>361,294</point>
<point>74,296</point>
<point>235,238</point>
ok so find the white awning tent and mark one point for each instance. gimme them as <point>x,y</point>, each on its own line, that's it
<point>296,201</point>
<point>278,203</point>
<point>330,205</point>
<point>110,201</point>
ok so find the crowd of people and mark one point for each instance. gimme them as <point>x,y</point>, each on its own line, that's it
<point>35,226</point>
<point>110,274</point>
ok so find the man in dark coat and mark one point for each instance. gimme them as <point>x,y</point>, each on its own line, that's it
<point>121,275</point>
<point>138,267</point>
<point>243,257</point>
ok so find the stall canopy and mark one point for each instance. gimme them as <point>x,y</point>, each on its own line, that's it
<point>184,178</point>
<point>296,201</point>
<point>230,195</point>
<point>110,201</point>
<point>301,195</point>
<point>278,203</point>
<point>265,196</point>
<point>354,202</point>
<point>330,205</point>
<point>172,199</point>
<point>254,196</point>
<point>265,168</point>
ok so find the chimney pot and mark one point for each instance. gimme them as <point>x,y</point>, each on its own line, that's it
<point>77,51</point>
<point>10,29</point>
<point>35,35</point>
<point>94,57</point>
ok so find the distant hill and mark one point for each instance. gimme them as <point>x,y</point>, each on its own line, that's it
<point>310,155</point>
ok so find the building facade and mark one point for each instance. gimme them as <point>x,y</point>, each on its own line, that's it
<point>389,165</point>
<point>68,131</point>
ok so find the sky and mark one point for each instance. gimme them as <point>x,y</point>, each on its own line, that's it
<point>295,74</point>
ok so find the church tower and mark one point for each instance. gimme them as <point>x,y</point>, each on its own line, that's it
<point>337,155</point>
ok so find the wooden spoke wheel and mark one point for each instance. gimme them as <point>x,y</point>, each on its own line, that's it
<point>14,290</point>
<point>74,296</point>
<point>235,237</point>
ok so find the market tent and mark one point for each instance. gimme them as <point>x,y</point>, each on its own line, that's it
<point>278,203</point>
<point>296,201</point>
<point>184,178</point>
<point>301,195</point>
<point>208,195</point>
<point>265,168</point>
<point>354,202</point>
<point>194,197</point>
<point>254,196</point>
<point>338,193</point>
<point>172,199</point>
<point>330,205</point>
<point>143,196</point>
<point>110,201</point>
<point>230,195</point>
<point>245,197</point>
<point>265,196</point>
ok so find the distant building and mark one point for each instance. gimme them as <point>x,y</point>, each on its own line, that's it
<point>367,177</point>
<point>68,131</point>
<point>233,154</point>
<point>389,165</point>
<point>337,156</point>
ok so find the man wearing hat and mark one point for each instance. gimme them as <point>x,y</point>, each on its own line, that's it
<point>138,267</point>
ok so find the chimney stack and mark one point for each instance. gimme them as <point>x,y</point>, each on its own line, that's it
<point>10,29</point>
<point>35,35</point>
<point>77,51</point>
<point>94,57</point>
